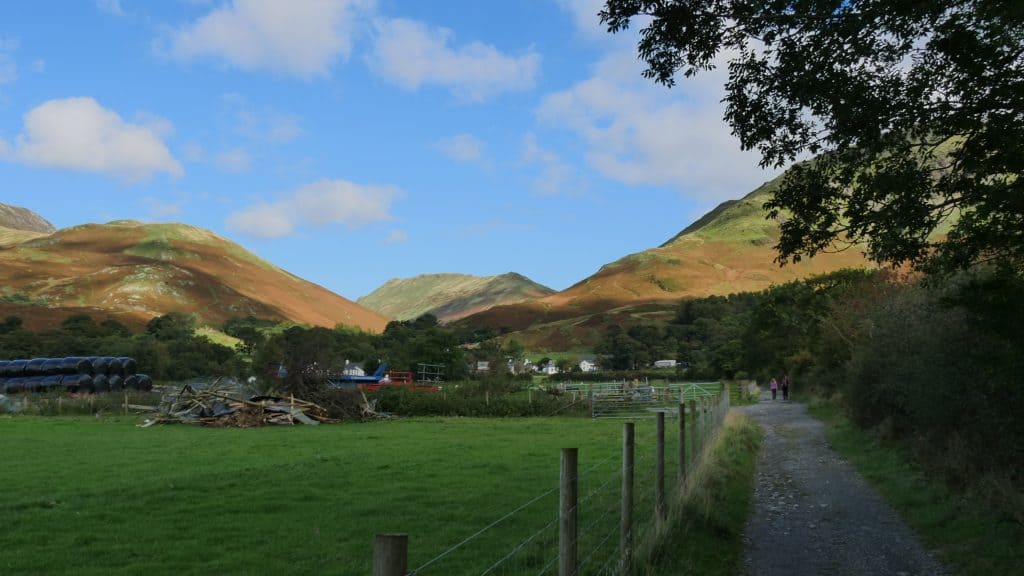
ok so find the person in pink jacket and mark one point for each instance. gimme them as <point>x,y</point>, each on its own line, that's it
<point>774,386</point>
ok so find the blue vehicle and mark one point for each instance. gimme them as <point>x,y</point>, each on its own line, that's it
<point>350,381</point>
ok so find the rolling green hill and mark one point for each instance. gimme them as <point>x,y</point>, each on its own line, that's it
<point>450,296</point>
<point>134,271</point>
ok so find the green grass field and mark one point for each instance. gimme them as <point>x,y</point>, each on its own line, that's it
<point>102,496</point>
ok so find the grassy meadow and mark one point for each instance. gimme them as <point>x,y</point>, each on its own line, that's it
<point>88,495</point>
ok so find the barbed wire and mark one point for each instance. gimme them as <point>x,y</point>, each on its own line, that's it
<point>482,530</point>
<point>519,547</point>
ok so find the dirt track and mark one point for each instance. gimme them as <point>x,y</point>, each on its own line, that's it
<point>813,514</point>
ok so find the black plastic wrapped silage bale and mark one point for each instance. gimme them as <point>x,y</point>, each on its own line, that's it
<point>76,365</point>
<point>100,386</point>
<point>87,385</point>
<point>128,366</point>
<point>34,367</point>
<point>53,367</point>
<point>131,382</point>
<point>3,368</point>
<point>145,382</point>
<point>51,383</point>
<point>15,368</point>
<point>33,383</point>
<point>101,365</point>
<point>13,385</point>
<point>116,366</point>
<point>78,382</point>
<point>115,383</point>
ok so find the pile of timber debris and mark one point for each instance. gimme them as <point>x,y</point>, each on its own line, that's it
<point>223,407</point>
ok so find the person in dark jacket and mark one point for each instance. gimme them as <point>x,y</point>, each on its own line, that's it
<point>785,387</point>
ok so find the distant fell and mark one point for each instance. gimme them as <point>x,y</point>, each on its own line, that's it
<point>18,218</point>
<point>19,224</point>
<point>730,249</point>
<point>450,296</point>
<point>136,271</point>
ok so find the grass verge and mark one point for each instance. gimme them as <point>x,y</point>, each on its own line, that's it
<point>964,530</point>
<point>705,533</point>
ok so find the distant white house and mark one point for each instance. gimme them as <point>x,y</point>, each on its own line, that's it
<point>665,363</point>
<point>588,366</point>
<point>483,366</point>
<point>549,369</point>
<point>529,366</point>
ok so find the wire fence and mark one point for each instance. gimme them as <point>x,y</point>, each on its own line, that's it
<point>594,520</point>
<point>632,401</point>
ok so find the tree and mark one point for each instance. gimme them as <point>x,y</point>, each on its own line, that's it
<point>914,111</point>
<point>79,325</point>
<point>172,326</point>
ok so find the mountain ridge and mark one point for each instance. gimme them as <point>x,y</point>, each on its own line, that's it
<point>138,271</point>
<point>450,296</point>
<point>727,250</point>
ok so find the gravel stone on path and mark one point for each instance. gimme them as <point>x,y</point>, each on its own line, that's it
<point>814,514</point>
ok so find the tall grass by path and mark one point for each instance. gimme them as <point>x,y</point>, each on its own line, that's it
<point>87,495</point>
<point>704,535</point>
<point>966,532</point>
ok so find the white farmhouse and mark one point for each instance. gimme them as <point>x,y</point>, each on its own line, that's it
<point>665,363</point>
<point>588,366</point>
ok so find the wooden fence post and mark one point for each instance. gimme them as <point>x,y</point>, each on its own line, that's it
<point>659,469</point>
<point>694,433</point>
<point>682,446</point>
<point>626,536</point>
<point>390,555</point>
<point>567,513</point>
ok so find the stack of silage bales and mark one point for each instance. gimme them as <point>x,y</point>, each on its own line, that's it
<point>85,374</point>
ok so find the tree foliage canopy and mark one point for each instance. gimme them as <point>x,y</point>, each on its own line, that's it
<point>914,112</point>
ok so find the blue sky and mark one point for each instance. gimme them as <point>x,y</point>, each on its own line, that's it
<point>353,141</point>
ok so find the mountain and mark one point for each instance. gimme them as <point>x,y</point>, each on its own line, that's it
<point>728,250</point>
<point>19,224</point>
<point>450,296</point>
<point>134,271</point>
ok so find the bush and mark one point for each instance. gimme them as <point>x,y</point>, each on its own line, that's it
<point>938,368</point>
<point>471,400</point>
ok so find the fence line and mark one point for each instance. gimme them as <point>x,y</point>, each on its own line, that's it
<point>636,509</point>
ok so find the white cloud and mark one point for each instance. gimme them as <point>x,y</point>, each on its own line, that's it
<point>640,133</point>
<point>158,124</point>
<point>79,134</point>
<point>322,203</point>
<point>193,152</point>
<point>110,7</point>
<point>258,123</point>
<point>300,38</point>
<point>233,161</point>
<point>396,237</point>
<point>160,209</point>
<point>584,13</point>
<point>412,54</point>
<point>462,148</point>
<point>8,67</point>
<point>556,177</point>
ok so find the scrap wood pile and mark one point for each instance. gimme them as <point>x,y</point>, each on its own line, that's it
<point>228,407</point>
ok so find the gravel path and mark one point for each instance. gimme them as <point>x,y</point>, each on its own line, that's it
<point>814,514</point>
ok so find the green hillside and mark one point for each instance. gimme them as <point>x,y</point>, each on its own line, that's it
<point>450,296</point>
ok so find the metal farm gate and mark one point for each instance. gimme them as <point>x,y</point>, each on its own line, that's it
<point>642,400</point>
